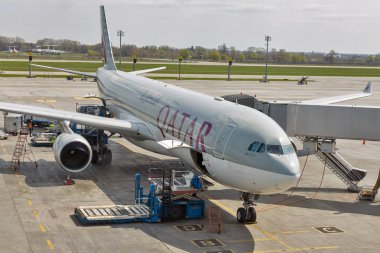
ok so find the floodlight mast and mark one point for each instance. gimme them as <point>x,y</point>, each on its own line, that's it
<point>120,33</point>
<point>267,39</point>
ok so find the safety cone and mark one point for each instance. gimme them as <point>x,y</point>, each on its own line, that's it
<point>69,181</point>
<point>363,141</point>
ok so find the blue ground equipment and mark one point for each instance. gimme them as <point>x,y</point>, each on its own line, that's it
<point>168,199</point>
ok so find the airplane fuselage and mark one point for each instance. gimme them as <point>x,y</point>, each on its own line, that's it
<point>182,122</point>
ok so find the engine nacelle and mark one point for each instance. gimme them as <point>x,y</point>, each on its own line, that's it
<point>72,152</point>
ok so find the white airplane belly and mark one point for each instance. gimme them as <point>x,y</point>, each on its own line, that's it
<point>246,179</point>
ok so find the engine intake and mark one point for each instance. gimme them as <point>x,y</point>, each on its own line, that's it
<point>72,152</point>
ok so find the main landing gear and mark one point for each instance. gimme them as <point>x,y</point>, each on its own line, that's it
<point>247,213</point>
<point>101,152</point>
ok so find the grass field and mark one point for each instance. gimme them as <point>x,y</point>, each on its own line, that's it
<point>205,69</point>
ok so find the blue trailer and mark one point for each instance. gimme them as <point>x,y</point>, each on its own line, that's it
<point>155,206</point>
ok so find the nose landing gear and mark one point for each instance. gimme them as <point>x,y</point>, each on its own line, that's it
<point>247,213</point>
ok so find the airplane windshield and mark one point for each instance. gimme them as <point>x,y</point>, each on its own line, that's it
<point>288,149</point>
<point>272,149</point>
<point>280,150</point>
<point>275,149</point>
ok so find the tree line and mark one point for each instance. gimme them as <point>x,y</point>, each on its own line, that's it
<point>222,53</point>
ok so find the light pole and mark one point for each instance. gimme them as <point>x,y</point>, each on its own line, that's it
<point>267,39</point>
<point>179,66</point>
<point>120,33</point>
<point>134,62</point>
<point>229,67</point>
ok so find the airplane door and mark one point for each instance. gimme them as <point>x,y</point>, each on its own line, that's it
<point>223,137</point>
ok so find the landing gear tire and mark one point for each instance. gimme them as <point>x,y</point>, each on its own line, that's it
<point>251,217</point>
<point>247,213</point>
<point>95,157</point>
<point>107,156</point>
<point>241,215</point>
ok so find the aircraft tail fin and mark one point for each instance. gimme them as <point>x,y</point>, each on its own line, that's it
<point>107,49</point>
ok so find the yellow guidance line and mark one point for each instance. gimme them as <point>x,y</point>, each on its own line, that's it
<point>221,205</point>
<point>30,203</point>
<point>42,227</point>
<point>35,214</point>
<point>50,244</point>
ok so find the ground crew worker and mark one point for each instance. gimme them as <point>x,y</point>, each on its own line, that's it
<point>53,138</point>
<point>51,126</point>
<point>30,127</point>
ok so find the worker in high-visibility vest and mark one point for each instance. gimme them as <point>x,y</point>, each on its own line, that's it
<point>51,127</point>
<point>52,139</point>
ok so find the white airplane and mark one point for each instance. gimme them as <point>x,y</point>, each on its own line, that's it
<point>51,50</point>
<point>235,145</point>
<point>12,49</point>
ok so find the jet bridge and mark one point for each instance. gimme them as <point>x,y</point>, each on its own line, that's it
<point>317,125</point>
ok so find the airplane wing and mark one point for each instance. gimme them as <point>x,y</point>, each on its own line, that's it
<point>331,100</point>
<point>138,72</point>
<point>134,129</point>
<point>66,70</point>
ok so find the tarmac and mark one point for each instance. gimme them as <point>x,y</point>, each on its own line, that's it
<point>320,215</point>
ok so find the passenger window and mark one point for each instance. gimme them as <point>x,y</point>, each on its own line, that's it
<point>261,148</point>
<point>253,146</point>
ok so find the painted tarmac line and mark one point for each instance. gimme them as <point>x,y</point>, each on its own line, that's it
<point>42,227</point>
<point>50,244</point>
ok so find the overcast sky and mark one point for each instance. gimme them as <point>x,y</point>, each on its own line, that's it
<point>348,26</point>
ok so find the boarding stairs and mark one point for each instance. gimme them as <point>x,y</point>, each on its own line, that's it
<point>342,169</point>
<point>22,150</point>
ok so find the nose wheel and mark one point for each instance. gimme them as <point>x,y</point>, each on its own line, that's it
<point>247,213</point>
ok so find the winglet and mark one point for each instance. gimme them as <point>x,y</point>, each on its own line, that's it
<point>107,49</point>
<point>368,88</point>
<point>332,100</point>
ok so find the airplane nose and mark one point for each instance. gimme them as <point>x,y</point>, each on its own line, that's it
<point>287,165</point>
<point>289,169</point>
<point>293,166</point>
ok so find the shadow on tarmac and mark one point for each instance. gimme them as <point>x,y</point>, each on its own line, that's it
<point>116,183</point>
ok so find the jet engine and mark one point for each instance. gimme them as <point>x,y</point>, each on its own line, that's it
<point>72,152</point>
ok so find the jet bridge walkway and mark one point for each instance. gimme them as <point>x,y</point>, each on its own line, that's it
<point>317,124</point>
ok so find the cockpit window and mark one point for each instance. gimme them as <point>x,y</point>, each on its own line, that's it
<point>288,149</point>
<point>261,148</point>
<point>253,146</point>
<point>275,149</point>
<point>280,150</point>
